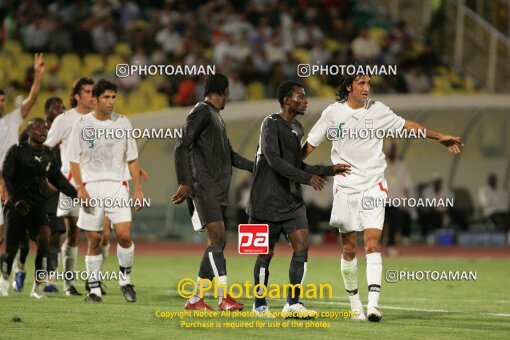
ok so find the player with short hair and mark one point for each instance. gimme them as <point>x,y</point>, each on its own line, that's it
<point>354,110</point>
<point>276,198</point>
<point>101,167</point>
<point>203,161</point>
<point>10,124</point>
<point>82,102</point>
<point>26,169</point>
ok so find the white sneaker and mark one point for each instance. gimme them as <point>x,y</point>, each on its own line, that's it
<point>298,311</point>
<point>262,312</point>
<point>358,314</point>
<point>374,314</point>
<point>4,287</point>
<point>37,291</point>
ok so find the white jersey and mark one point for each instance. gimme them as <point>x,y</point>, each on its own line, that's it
<point>365,156</point>
<point>59,135</point>
<point>103,157</point>
<point>9,131</point>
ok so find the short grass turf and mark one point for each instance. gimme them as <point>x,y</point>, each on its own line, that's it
<point>412,309</point>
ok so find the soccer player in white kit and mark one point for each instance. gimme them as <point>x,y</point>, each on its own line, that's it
<point>82,102</point>
<point>350,213</point>
<point>101,167</point>
<point>10,124</point>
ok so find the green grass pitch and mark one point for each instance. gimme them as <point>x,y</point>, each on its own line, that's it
<point>424,309</point>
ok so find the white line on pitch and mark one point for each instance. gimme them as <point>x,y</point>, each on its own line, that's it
<point>398,308</point>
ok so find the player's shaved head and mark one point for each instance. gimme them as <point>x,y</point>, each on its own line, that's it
<point>216,84</point>
<point>33,122</point>
<point>286,89</point>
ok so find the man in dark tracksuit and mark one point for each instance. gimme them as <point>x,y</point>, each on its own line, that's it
<point>203,161</point>
<point>26,169</point>
<point>276,198</point>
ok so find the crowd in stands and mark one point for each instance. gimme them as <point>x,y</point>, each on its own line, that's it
<point>258,43</point>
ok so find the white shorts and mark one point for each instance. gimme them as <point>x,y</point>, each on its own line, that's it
<point>91,219</point>
<point>355,212</point>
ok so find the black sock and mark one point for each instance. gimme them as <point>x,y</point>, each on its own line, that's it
<point>53,259</point>
<point>205,271</point>
<point>23,252</point>
<point>6,264</point>
<point>297,272</point>
<point>41,265</point>
<point>217,260</point>
<point>261,272</point>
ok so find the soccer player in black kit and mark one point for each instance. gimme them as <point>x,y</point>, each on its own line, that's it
<point>276,198</point>
<point>26,169</point>
<point>203,160</point>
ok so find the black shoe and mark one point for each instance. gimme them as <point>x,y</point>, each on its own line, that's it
<point>93,298</point>
<point>129,293</point>
<point>72,291</point>
<point>101,285</point>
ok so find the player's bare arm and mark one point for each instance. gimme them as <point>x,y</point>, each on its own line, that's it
<point>36,86</point>
<point>83,195</point>
<point>453,143</point>
<point>134,169</point>
<point>306,150</point>
<point>144,175</point>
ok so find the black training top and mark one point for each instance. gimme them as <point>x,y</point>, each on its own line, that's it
<point>25,171</point>
<point>279,172</point>
<point>204,156</point>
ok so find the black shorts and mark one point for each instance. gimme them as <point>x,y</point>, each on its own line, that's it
<point>17,227</point>
<point>57,225</point>
<point>287,227</point>
<point>208,210</point>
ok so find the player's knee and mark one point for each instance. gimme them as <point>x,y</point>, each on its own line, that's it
<point>301,246</point>
<point>265,258</point>
<point>348,251</point>
<point>125,242</point>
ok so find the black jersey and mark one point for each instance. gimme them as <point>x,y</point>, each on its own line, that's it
<point>279,172</point>
<point>204,156</point>
<point>25,171</point>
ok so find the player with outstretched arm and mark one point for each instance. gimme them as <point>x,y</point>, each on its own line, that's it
<point>354,110</point>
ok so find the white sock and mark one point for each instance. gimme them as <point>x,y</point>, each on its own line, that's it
<point>106,251</point>
<point>126,257</point>
<point>199,294</point>
<point>93,264</point>
<point>69,255</point>
<point>15,263</point>
<point>221,281</point>
<point>374,275</point>
<point>349,271</point>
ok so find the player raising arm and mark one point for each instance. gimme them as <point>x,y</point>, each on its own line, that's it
<point>354,110</point>
<point>26,168</point>
<point>11,122</point>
